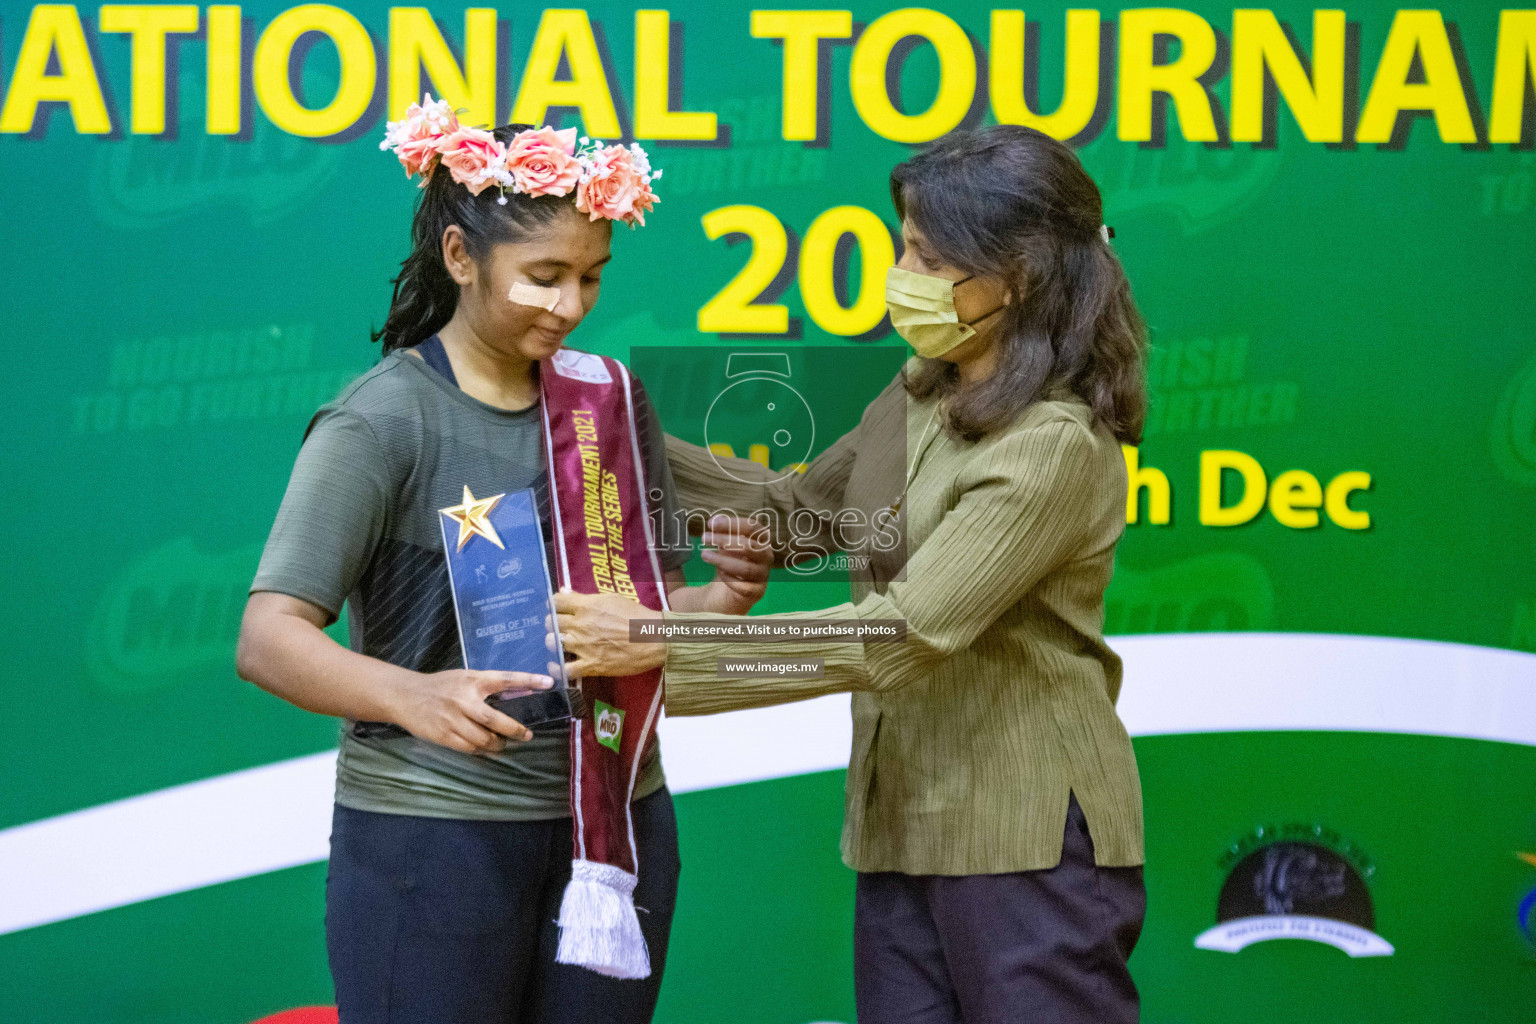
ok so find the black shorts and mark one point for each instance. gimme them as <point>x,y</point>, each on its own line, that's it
<point>453,922</point>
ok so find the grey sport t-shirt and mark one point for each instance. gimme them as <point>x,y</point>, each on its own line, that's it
<point>359,524</point>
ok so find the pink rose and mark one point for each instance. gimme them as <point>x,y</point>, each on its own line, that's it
<point>616,188</point>
<point>472,157</point>
<point>419,156</point>
<point>543,161</point>
<point>415,137</point>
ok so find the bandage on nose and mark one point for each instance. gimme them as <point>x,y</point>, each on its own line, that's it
<point>532,295</point>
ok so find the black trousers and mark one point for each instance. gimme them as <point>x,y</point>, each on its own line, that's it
<point>442,921</point>
<point>1034,946</point>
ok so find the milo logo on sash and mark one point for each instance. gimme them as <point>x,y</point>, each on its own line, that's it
<point>610,724</point>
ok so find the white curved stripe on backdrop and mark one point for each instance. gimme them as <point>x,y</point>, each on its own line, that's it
<point>278,816</point>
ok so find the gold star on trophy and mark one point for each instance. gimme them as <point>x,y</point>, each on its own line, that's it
<point>471,517</point>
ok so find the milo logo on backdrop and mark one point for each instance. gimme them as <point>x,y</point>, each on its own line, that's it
<point>173,611</point>
<point>1218,592</point>
<point>141,181</point>
<point>1514,427</point>
<point>1201,185</point>
<point>1296,882</point>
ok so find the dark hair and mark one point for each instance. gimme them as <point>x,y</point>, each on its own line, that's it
<point>425,293</point>
<point>1013,203</point>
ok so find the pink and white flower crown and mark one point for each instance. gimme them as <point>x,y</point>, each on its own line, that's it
<point>609,181</point>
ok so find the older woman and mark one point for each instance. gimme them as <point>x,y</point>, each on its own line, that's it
<point>993,806</point>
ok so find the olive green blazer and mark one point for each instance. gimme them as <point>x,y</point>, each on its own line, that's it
<point>969,736</point>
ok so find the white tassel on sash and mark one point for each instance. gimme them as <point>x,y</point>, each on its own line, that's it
<point>599,928</point>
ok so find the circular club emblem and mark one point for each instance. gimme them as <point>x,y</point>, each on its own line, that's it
<point>1298,888</point>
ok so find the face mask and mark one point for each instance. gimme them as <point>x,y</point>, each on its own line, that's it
<point>922,309</point>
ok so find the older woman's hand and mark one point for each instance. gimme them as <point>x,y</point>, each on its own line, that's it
<point>741,552</point>
<point>595,627</point>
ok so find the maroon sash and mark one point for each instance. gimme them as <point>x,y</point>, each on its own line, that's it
<point>603,544</point>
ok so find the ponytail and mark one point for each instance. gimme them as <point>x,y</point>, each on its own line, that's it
<point>1117,387</point>
<point>1012,203</point>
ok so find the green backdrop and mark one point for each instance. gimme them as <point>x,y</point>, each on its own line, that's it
<point>179,301</point>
